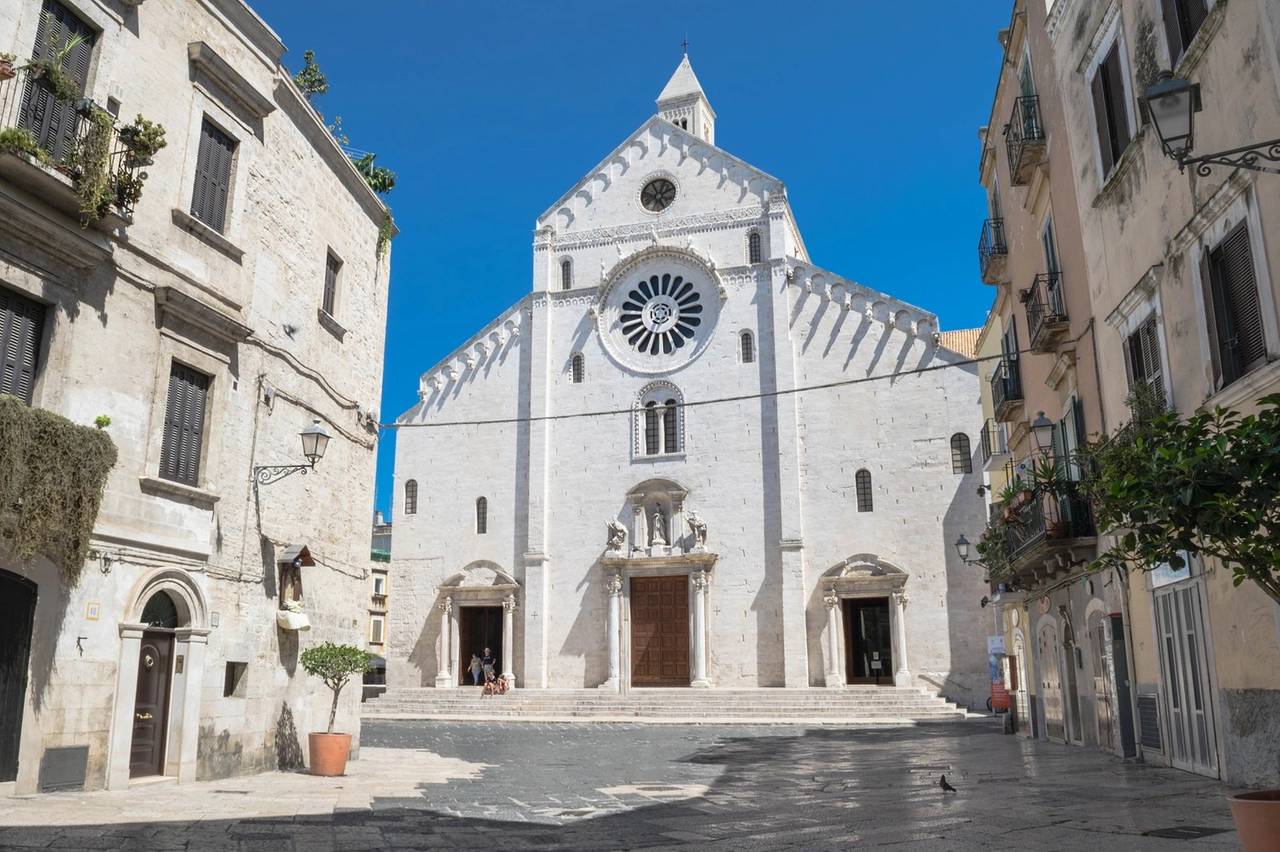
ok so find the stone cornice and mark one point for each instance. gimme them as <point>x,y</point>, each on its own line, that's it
<point>702,561</point>
<point>666,228</point>
<point>171,301</point>
<point>205,60</point>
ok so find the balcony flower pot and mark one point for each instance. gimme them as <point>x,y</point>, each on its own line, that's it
<point>1257,817</point>
<point>334,664</point>
<point>7,71</point>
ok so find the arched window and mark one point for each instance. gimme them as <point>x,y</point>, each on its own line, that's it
<point>862,479</point>
<point>961,457</point>
<point>753,247</point>
<point>160,611</point>
<point>482,515</point>
<point>575,368</point>
<point>566,274</point>
<point>748,347</point>
<point>411,497</point>
<point>660,421</point>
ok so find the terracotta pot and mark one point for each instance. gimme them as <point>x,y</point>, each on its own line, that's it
<point>1257,818</point>
<point>7,71</point>
<point>328,753</point>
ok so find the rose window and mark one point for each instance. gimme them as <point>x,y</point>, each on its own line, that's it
<point>661,314</point>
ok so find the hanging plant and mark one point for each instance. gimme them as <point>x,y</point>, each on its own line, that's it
<point>19,142</point>
<point>384,234</point>
<point>90,159</point>
<point>52,477</point>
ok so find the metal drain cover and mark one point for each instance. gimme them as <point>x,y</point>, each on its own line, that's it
<point>1186,832</point>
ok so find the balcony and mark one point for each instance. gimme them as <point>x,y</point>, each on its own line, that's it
<point>993,252</point>
<point>1046,312</point>
<point>1024,140</point>
<point>1006,389</point>
<point>995,444</point>
<point>1045,527</point>
<point>71,154</point>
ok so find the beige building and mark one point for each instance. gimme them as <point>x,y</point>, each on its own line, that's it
<point>226,294</point>
<point>1177,270</point>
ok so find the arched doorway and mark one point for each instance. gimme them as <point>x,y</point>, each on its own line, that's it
<point>152,696</point>
<point>17,615</point>
<point>477,612</point>
<point>866,634</point>
<point>1023,723</point>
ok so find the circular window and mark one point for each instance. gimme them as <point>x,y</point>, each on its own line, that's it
<point>660,314</point>
<point>657,195</point>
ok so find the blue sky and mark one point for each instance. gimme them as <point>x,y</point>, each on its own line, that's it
<point>488,112</point>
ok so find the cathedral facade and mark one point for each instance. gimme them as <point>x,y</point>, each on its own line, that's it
<point>690,456</point>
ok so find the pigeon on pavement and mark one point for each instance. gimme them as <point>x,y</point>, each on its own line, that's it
<point>946,788</point>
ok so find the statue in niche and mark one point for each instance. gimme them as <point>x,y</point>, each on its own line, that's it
<point>699,529</point>
<point>617,536</point>
<point>659,535</point>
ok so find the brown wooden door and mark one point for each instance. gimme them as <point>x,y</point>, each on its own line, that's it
<point>479,627</point>
<point>660,631</point>
<point>151,704</point>
<point>867,636</point>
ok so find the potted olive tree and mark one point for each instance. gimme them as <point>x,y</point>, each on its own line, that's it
<point>335,664</point>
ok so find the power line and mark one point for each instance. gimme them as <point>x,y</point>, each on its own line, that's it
<point>718,400</point>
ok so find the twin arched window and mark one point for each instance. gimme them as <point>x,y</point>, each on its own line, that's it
<point>566,274</point>
<point>482,515</point>
<point>411,497</point>
<point>660,421</point>
<point>753,247</point>
<point>961,456</point>
<point>747,347</point>
<point>576,368</point>
<point>862,482</point>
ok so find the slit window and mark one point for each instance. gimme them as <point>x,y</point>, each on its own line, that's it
<point>862,482</point>
<point>651,445</point>
<point>566,274</point>
<point>670,430</point>
<point>753,247</point>
<point>748,348</point>
<point>332,266</point>
<point>575,368</point>
<point>482,516</point>
<point>411,497</point>
<point>961,455</point>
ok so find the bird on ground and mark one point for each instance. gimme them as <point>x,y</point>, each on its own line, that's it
<point>946,788</point>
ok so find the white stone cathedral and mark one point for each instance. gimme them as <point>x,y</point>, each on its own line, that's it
<point>690,456</point>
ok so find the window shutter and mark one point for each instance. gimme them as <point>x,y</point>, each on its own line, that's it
<point>330,283</point>
<point>1240,288</point>
<point>1132,359</point>
<point>21,324</point>
<point>1196,11</point>
<point>1100,116</point>
<point>184,425</point>
<point>1172,30</point>
<point>1117,101</point>
<point>213,177</point>
<point>1149,337</point>
<point>1211,311</point>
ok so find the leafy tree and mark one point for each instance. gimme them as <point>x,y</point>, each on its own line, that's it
<point>311,80</point>
<point>1208,485</point>
<point>335,664</point>
<point>380,180</point>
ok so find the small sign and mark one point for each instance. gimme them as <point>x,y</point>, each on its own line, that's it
<point>91,610</point>
<point>999,696</point>
<point>876,665</point>
<point>995,645</point>
<point>875,655</point>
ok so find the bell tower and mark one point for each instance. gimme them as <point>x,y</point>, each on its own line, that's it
<point>684,104</point>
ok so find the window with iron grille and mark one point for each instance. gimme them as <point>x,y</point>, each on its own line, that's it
<point>184,425</point>
<point>961,455</point>
<point>566,274</point>
<point>1110,109</point>
<point>411,497</point>
<point>332,267</point>
<point>748,348</point>
<point>21,327</point>
<point>1182,20</point>
<point>1142,364</point>
<point>213,176</point>
<point>862,479</point>
<point>753,247</point>
<point>576,368</point>
<point>1237,345</point>
<point>482,516</point>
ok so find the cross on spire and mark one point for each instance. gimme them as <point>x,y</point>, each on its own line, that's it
<point>685,44</point>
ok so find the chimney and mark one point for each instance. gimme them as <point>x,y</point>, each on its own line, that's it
<point>377,518</point>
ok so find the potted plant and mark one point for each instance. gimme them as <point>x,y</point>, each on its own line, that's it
<point>1048,478</point>
<point>64,86</point>
<point>7,71</point>
<point>335,664</point>
<point>143,138</point>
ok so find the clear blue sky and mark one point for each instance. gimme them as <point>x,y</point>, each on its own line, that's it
<point>489,111</point>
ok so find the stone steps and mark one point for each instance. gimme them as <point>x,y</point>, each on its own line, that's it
<point>850,705</point>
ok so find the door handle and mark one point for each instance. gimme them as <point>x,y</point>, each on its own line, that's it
<point>146,717</point>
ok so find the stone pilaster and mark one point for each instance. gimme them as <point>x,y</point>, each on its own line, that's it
<point>901,674</point>
<point>835,659</point>
<point>508,639</point>
<point>444,673</point>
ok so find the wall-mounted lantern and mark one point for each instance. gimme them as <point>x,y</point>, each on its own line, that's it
<point>1172,104</point>
<point>314,442</point>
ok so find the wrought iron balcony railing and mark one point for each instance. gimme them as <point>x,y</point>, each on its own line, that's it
<point>76,139</point>
<point>993,251</point>
<point>1046,311</point>
<point>1024,139</point>
<point>1006,388</point>
<point>995,442</point>
<point>1048,518</point>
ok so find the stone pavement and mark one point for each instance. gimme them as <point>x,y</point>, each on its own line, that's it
<point>517,786</point>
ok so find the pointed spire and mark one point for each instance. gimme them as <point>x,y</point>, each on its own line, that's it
<point>683,82</point>
<point>685,105</point>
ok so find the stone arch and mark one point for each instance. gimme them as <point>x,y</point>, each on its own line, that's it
<point>193,608</point>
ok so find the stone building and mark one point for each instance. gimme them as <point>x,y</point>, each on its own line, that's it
<point>690,456</point>
<point>1181,269</point>
<point>213,312</point>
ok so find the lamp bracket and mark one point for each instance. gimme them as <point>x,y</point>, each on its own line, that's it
<point>1245,157</point>
<point>265,474</point>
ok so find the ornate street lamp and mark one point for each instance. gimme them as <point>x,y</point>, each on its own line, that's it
<point>964,549</point>
<point>314,442</point>
<point>1172,104</point>
<point>1042,431</point>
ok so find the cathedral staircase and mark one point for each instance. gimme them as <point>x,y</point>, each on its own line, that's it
<point>855,705</point>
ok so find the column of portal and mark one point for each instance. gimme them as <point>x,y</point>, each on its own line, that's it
<point>700,630</point>
<point>835,677</point>
<point>901,675</point>
<point>508,639</point>
<point>444,675</point>
<point>615,634</point>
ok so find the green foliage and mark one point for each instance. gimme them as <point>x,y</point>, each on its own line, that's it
<point>52,475</point>
<point>102,421</point>
<point>143,138</point>
<point>91,159</point>
<point>335,664</point>
<point>335,130</point>
<point>1207,486</point>
<point>380,180</point>
<point>65,87</point>
<point>993,551</point>
<point>384,234</point>
<point>7,57</point>
<point>19,142</point>
<point>311,81</point>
